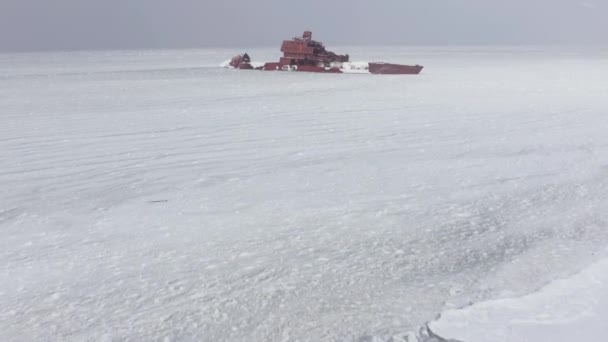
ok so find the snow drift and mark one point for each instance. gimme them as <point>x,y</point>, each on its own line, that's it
<point>572,309</point>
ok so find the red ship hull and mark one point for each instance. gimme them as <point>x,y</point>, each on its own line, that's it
<point>374,68</point>
<point>306,55</point>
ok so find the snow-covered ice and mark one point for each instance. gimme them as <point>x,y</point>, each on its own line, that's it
<point>573,309</point>
<point>152,195</point>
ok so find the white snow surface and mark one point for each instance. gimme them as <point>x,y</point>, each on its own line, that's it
<point>150,195</point>
<point>226,64</point>
<point>573,309</point>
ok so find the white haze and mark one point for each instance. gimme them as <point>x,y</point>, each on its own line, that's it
<point>118,24</point>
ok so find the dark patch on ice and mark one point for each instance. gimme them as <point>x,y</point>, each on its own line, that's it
<point>9,214</point>
<point>424,334</point>
<point>158,201</point>
<point>427,335</point>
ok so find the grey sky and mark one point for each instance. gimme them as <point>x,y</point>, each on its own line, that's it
<point>117,24</point>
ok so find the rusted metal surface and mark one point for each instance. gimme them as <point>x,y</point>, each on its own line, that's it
<point>245,66</point>
<point>271,66</point>
<point>236,61</point>
<point>297,47</point>
<point>305,51</point>
<point>394,69</point>
<point>305,54</point>
<point>286,61</point>
<point>312,68</point>
<point>239,60</point>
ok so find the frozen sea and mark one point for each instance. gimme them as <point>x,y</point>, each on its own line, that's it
<point>151,195</point>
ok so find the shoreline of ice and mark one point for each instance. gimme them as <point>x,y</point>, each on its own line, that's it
<point>570,309</point>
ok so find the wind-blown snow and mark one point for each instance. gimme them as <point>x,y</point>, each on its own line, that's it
<point>152,195</point>
<point>573,309</point>
<point>226,63</point>
<point>355,68</point>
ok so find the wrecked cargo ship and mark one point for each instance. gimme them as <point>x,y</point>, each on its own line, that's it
<point>307,55</point>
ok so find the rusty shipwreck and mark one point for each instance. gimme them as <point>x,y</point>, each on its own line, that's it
<point>305,54</point>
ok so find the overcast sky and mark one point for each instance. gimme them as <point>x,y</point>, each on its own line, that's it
<point>119,24</point>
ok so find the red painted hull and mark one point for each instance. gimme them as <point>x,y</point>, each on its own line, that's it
<point>374,68</point>
<point>306,55</point>
<point>301,68</point>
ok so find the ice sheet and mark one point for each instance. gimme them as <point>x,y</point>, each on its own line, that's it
<point>147,195</point>
<point>572,309</point>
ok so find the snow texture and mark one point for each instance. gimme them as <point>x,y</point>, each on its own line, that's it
<point>573,309</point>
<point>226,64</point>
<point>151,195</point>
<point>355,68</point>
